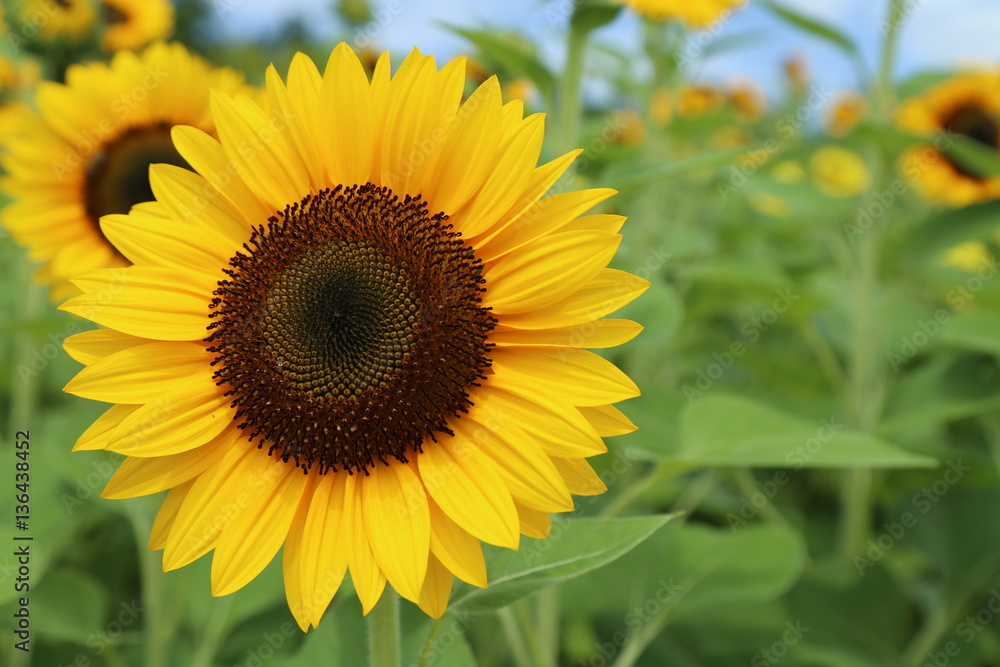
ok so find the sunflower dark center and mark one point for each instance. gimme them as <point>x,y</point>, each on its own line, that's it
<point>975,124</point>
<point>118,173</point>
<point>113,15</point>
<point>351,329</point>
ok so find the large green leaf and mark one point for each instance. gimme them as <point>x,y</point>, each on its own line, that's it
<point>727,430</point>
<point>976,331</point>
<point>70,605</point>
<point>575,547</point>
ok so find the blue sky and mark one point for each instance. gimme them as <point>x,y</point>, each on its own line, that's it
<point>939,34</point>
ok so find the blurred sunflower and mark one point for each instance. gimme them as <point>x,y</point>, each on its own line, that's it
<point>132,24</point>
<point>363,283</point>
<point>747,100</point>
<point>700,100</point>
<point>695,15</point>
<point>55,19</point>
<point>839,172</point>
<point>967,105</point>
<point>845,113</point>
<point>87,152</point>
<point>16,79</point>
<point>968,256</point>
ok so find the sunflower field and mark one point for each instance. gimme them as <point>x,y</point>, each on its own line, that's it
<point>543,342</point>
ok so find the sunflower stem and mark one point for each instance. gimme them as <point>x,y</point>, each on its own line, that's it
<point>516,641</point>
<point>569,90</point>
<point>214,631</point>
<point>884,92</point>
<point>384,632</point>
<point>157,621</point>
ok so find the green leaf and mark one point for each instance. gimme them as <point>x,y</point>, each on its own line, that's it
<point>575,547</point>
<point>810,25</point>
<point>940,390</point>
<point>70,605</point>
<point>974,156</point>
<point>513,53</point>
<point>624,175</point>
<point>692,569</point>
<point>592,14</point>
<point>976,331</point>
<point>726,430</point>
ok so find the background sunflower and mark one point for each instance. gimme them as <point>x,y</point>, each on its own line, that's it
<point>87,152</point>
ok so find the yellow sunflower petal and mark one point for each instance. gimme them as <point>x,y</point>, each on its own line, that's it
<point>149,302</point>
<point>579,376</point>
<point>368,578</point>
<point>142,374</point>
<point>397,522</point>
<point>89,346</point>
<point>172,424</point>
<point>320,556</point>
<point>580,477</point>
<point>346,98</point>
<point>98,435</point>
<point>456,548</point>
<point>534,523</point>
<point>436,590</point>
<point>167,513</point>
<point>141,477</point>
<point>547,271</point>
<point>463,483</point>
<point>596,334</point>
<point>608,420</point>
<point>249,542</point>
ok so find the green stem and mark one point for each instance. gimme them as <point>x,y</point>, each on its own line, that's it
<point>427,650</point>
<point>528,625</point>
<point>516,641</point>
<point>865,392</point>
<point>653,478</point>
<point>214,632</point>
<point>884,90</point>
<point>569,90</point>
<point>547,605</point>
<point>157,622</point>
<point>384,633</point>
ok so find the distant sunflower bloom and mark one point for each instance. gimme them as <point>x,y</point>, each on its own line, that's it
<point>362,283</point>
<point>967,105</point>
<point>694,14</point>
<point>87,153</point>
<point>55,19</point>
<point>968,256</point>
<point>839,172</point>
<point>845,113</point>
<point>132,24</point>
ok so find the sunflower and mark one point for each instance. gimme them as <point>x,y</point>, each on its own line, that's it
<point>694,14</point>
<point>357,331</point>
<point>966,105</point>
<point>845,113</point>
<point>55,19</point>
<point>132,24</point>
<point>87,152</point>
